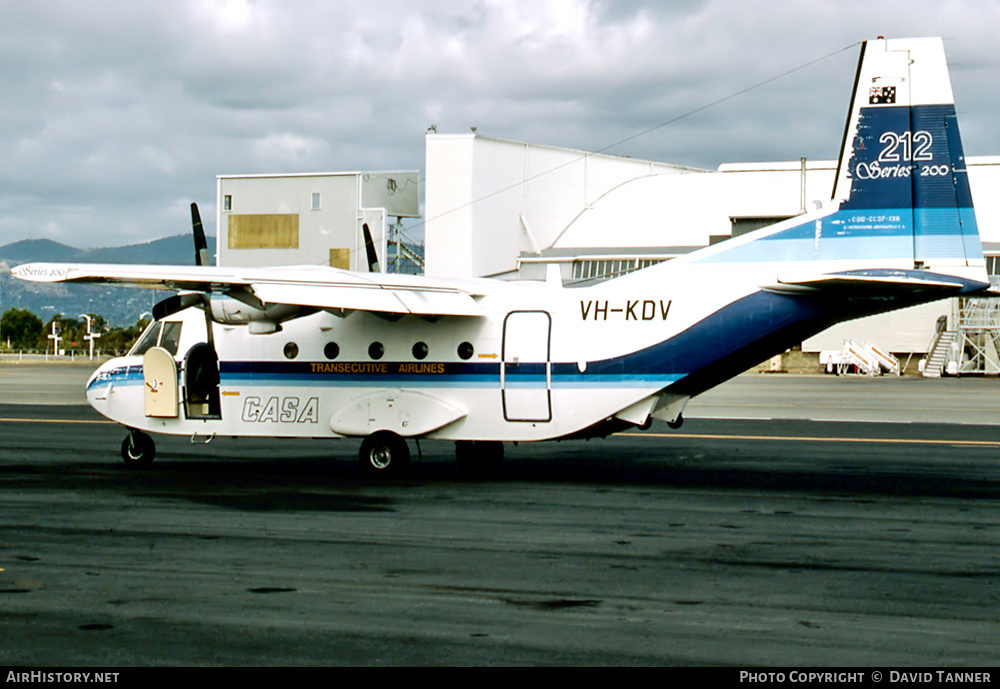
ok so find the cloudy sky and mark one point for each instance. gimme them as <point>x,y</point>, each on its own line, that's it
<point>116,114</point>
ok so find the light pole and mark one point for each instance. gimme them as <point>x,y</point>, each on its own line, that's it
<point>91,335</point>
<point>55,338</point>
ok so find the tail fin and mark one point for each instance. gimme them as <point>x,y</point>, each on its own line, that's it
<point>902,176</point>
<point>901,199</point>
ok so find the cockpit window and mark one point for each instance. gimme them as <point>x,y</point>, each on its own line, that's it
<point>147,340</point>
<point>165,333</point>
<point>171,336</point>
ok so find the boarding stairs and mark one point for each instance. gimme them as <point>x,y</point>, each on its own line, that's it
<point>939,353</point>
<point>866,358</point>
<point>405,258</point>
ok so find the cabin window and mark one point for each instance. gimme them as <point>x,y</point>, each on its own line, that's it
<point>376,350</point>
<point>316,205</point>
<point>291,350</point>
<point>227,202</point>
<point>420,350</point>
<point>331,350</point>
<point>465,350</point>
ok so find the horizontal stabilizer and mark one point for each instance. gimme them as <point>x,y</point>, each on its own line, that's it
<point>874,283</point>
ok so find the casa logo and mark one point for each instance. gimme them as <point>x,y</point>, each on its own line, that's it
<point>280,410</point>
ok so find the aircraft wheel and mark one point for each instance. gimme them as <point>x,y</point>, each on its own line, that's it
<point>384,453</point>
<point>479,457</point>
<point>138,449</point>
<point>676,423</point>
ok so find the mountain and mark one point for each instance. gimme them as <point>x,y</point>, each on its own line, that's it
<point>176,250</point>
<point>119,306</point>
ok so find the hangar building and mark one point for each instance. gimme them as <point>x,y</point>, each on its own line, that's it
<point>508,209</point>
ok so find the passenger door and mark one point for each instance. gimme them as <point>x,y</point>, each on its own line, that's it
<point>526,370</point>
<point>201,383</point>
<point>159,375</point>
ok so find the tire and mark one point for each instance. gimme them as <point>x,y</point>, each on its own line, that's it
<point>384,454</point>
<point>479,458</point>
<point>138,449</point>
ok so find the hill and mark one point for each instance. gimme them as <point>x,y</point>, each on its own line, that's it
<point>119,306</point>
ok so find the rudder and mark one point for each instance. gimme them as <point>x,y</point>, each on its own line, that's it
<point>903,177</point>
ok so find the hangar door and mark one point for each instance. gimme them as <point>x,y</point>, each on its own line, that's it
<point>526,370</point>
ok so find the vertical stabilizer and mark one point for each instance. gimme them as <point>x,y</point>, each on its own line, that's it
<point>901,199</point>
<point>902,176</point>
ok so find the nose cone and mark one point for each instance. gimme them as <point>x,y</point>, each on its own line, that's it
<point>102,381</point>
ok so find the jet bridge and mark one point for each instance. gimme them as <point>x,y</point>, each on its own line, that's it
<point>973,346</point>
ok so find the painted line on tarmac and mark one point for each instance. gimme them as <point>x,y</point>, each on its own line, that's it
<point>815,439</point>
<point>29,420</point>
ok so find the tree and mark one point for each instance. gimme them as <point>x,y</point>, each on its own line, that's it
<point>21,328</point>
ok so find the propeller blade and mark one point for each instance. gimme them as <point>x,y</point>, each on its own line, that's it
<point>200,245</point>
<point>370,249</point>
<point>178,302</point>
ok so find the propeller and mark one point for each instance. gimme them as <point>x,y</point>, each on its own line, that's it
<point>233,307</point>
<point>370,249</point>
<point>200,245</point>
<point>184,300</point>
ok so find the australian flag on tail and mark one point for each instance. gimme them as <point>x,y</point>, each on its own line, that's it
<point>882,95</point>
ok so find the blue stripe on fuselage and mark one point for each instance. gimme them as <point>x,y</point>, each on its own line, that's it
<point>723,344</point>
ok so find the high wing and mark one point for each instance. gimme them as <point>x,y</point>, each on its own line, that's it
<point>317,287</point>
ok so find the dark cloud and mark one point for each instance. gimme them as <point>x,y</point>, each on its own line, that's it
<point>116,114</point>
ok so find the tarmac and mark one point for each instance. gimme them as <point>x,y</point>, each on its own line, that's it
<point>757,535</point>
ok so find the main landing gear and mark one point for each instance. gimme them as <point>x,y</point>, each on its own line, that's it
<point>479,458</point>
<point>384,454</point>
<point>138,449</point>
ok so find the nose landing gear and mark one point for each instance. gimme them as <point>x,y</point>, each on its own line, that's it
<point>138,449</point>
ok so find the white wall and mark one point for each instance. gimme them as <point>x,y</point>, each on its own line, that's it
<point>478,189</point>
<point>686,209</point>
<point>905,330</point>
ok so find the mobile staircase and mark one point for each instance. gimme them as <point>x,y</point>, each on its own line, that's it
<point>939,353</point>
<point>866,358</point>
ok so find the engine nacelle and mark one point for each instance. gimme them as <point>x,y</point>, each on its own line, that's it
<point>229,311</point>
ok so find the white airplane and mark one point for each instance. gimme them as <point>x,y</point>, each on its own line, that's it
<point>323,353</point>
